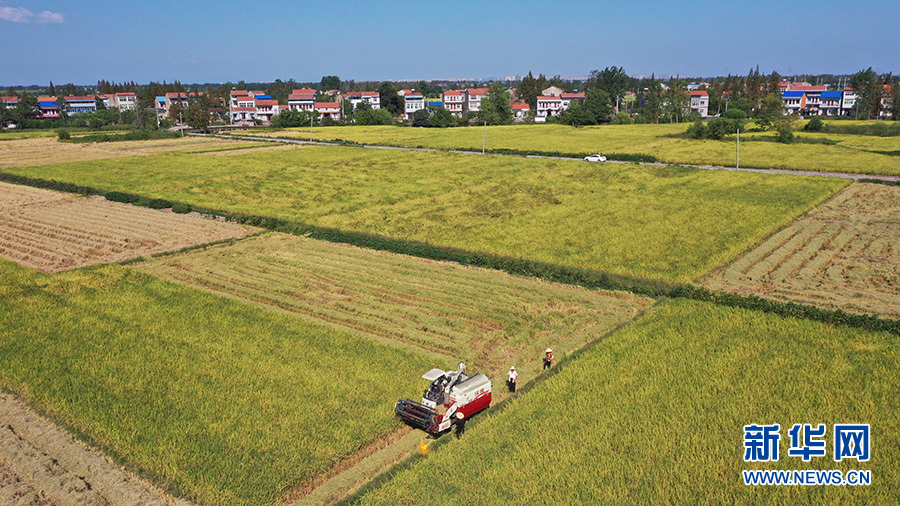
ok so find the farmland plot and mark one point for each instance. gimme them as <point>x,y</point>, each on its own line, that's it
<point>224,402</point>
<point>40,151</point>
<point>844,255</point>
<point>51,231</point>
<point>654,415</point>
<point>489,320</point>
<point>662,223</point>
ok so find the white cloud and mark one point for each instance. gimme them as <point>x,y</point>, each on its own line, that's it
<point>50,17</point>
<point>23,15</point>
<point>15,14</point>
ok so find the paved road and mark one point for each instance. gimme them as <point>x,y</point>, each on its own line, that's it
<point>844,175</point>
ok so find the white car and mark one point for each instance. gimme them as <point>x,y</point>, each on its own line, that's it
<point>595,158</point>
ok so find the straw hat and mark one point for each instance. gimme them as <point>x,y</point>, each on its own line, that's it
<point>513,368</point>
<point>549,350</point>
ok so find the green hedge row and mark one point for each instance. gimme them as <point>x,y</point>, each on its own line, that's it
<point>137,135</point>
<point>518,266</point>
<point>620,157</point>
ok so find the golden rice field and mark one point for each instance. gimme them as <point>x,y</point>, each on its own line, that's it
<point>52,231</point>
<point>661,223</point>
<point>843,255</point>
<point>223,402</point>
<point>44,150</point>
<point>654,414</point>
<point>487,319</point>
<point>852,153</point>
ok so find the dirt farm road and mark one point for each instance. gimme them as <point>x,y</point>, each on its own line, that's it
<point>844,175</point>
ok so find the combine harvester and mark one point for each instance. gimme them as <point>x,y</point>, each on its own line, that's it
<point>449,393</point>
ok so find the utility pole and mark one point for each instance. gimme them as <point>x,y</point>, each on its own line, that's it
<point>737,164</point>
<point>484,137</point>
<point>311,122</point>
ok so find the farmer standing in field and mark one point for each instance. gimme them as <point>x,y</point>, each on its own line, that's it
<point>511,379</point>
<point>548,359</point>
<point>460,424</point>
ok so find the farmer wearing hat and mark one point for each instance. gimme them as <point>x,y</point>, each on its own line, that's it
<point>548,359</point>
<point>511,379</point>
<point>460,424</point>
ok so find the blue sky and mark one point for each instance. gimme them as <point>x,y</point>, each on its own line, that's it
<point>215,41</point>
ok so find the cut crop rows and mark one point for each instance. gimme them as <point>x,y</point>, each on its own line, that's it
<point>845,255</point>
<point>52,232</point>
<point>485,318</point>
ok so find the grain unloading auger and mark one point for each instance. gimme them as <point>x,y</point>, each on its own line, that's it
<point>449,393</point>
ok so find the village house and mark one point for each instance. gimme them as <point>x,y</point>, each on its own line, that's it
<point>412,102</point>
<point>302,100</point>
<point>474,97</point>
<point>370,98</point>
<point>454,101</point>
<point>329,110</point>
<point>520,109</point>
<point>699,102</point>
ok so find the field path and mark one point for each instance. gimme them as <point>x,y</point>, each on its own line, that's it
<point>844,175</point>
<point>41,464</point>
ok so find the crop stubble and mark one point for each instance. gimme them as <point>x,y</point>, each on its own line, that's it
<point>488,319</point>
<point>844,255</point>
<point>50,231</point>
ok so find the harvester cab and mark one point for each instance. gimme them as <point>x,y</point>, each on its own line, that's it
<point>449,393</point>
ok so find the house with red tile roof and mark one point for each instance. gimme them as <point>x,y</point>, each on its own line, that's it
<point>371,98</point>
<point>474,97</point>
<point>49,107</point>
<point>699,102</point>
<point>520,109</point>
<point>454,101</point>
<point>303,99</point>
<point>329,110</point>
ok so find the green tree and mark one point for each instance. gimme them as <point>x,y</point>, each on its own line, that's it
<point>771,107</point>
<point>577,115</point>
<point>390,100</point>
<point>28,108</point>
<point>330,83</point>
<point>676,102</point>
<point>651,109</point>
<point>495,106</point>
<point>287,119</point>
<point>597,103</point>
<point>100,104</point>
<point>197,115</point>
<point>530,89</point>
<point>864,82</point>
<point>442,118</point>
<point>613,80</point>
<point>175,112</point>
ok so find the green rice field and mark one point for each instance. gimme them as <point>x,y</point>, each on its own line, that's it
<point>655,414</point>
<point>849,153</point>
<point>661,223</point>
<point>222,401</point>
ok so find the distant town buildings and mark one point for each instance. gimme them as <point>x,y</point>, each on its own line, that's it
<point>255,106</point>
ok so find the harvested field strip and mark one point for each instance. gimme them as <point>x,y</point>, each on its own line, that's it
<point>51,233</point>
<point>487,319</point>
<point>48,466</point>
<point>843,255</point>
<point>12,195</point>
<point>654,414</point>
<point>225,402</point>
